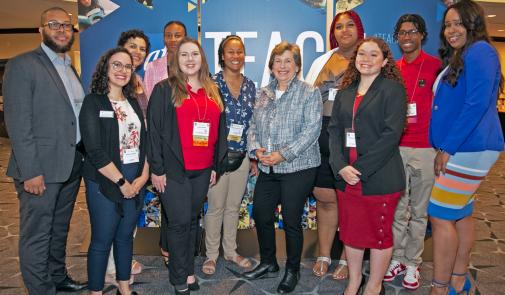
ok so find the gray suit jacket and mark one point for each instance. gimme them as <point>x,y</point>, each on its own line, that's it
<point>39,118</point>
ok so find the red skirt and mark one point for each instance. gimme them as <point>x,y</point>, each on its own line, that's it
<point>366,221</point>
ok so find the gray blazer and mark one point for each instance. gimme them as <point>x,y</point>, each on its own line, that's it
<point>39,118</point>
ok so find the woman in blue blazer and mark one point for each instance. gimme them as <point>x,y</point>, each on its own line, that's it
<point>466,132</point>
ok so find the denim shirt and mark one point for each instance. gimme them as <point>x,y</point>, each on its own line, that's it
<point>290,125</point>
<point>238,111</point>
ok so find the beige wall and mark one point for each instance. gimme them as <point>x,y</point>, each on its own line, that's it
<point>14,44</point>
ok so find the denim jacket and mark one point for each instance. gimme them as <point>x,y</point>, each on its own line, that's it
<point>290,125</point>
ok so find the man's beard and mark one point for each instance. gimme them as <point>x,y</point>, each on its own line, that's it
<point>54,46</point>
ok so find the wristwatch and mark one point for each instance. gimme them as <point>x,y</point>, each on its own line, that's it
<point>439,150</point>
<point>120,182</point>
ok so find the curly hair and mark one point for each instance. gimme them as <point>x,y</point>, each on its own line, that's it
<point>472,18</point>
<point>355,18</point>
<point>132,34</point>
<point>415,19</point>
<point>178,80</point>
<point>100,80</point>
<point>220,51</point>
<point>389,71</point>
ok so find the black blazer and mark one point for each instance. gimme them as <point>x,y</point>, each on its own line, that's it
<point>164,151</point>
<point>100,137</point>
<point>379,122</point>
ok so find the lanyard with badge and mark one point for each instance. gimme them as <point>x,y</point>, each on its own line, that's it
<point>201,126</point>
<point>236,129</point>
<point>350,134</point>
<point>411,106</point>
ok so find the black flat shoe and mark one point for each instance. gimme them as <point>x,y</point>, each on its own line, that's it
<point>70,285</point>
<point>289,281</point>
<point>194,286</point>
<point>131,293</point>
<point>263,270</point>
<point>182,292</point>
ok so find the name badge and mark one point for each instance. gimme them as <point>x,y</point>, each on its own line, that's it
<point>131,156</point>
<point>106,114</point>
<point>236,131</point>
<point>350,138</point>
<point>332,92</point>
<point>411,109</point>
<point>201,131</point>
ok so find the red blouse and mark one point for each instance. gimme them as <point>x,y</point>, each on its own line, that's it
<point>198,107</point>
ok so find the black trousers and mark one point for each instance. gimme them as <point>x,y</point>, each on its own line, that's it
<point>43,230</point>
<point>182,203</point>
<point>291,191</point>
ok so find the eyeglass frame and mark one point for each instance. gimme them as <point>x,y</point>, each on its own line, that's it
<point>66,26</point>
<point>404,33</point>
<point>118,66</point>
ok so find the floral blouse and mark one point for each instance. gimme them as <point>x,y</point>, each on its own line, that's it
<point>238,111</point>
<point>129,126</point>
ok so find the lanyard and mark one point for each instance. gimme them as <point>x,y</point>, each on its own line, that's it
<point>200,119</point>
<point>235,113</point>
<point>411,99</point>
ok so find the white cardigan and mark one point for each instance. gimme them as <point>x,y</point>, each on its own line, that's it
<point>317,66</point>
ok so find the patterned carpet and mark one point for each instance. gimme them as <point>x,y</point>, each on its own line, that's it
<point>487,263</point>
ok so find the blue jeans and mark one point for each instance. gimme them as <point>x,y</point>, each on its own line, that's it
<point>108,228</point>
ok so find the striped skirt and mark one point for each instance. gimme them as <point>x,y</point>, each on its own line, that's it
<point>452,196</point>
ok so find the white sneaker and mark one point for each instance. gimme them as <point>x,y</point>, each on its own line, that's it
<point>411,279</point>
<point>395,268</point>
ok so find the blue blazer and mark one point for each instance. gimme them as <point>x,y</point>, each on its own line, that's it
<point>464,117</point>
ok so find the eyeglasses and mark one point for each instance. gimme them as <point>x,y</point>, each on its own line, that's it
<point>407,33</point>
<point>118,67</point>
<point>55,26</point>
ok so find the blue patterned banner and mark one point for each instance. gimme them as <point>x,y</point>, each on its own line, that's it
<point>262,24</point>
<point>149,16</point>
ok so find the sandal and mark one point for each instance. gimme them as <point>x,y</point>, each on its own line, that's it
<point>439,285</point>
<point>321,266</point>
<point>341,271</point>
<point>209,267</point>
<point>137,267</point>
<point>240,261</point>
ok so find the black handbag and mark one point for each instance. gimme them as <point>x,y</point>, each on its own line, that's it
<point>233,160</point>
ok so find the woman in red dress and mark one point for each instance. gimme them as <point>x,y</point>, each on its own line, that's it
<point>365,128</point>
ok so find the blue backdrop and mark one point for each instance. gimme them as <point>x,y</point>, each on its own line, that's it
<point>103,35</point>
<point>262,24</point>
<point>379,19</point>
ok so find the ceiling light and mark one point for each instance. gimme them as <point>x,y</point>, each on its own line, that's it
<point>491,15</point>
<point>501,30</point>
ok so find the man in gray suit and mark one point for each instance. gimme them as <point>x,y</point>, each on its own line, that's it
<point>42,99</point>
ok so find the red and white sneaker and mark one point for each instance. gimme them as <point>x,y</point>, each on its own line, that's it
<point>411,279</point>
<point>395,268</point>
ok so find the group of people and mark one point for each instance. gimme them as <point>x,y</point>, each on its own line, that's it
<point>381,144</point>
